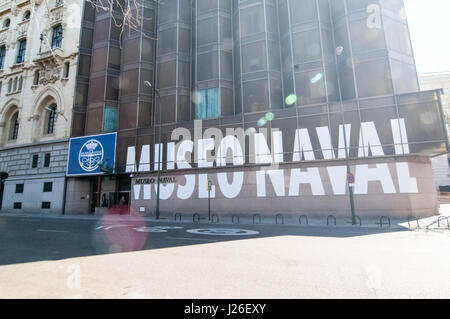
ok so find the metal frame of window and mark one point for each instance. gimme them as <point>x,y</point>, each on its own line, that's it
<point>48,187</point>
<point>35,161</point>
<point>57,36</point>
<point>51,120</point>
<point>2,56</point>
<point>21,51</point>
<point>47,159</point>
<point>15,130</point>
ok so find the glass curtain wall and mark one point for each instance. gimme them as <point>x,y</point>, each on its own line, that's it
<point>173,60</point>
<point>213,95</point>
<point>258,76</point>
<point>104,71</point>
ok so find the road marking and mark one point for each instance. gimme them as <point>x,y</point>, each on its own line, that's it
<point>222,231</point>
<point>52,230</point>
<point>182,238</point>
<point>156,229</point>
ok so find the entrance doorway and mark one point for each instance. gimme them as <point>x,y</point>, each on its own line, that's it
<point>124,202</point>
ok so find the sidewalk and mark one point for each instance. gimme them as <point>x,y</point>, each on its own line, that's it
<point>280,220</point>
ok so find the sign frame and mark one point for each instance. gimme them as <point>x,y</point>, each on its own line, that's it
<point>87,137</point>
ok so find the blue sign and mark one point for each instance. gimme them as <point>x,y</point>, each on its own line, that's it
<point>91,155</point>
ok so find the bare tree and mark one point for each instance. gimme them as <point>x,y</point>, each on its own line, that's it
<point>127,15</point>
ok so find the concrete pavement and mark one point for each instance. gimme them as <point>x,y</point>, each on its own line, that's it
<point>112,258</point>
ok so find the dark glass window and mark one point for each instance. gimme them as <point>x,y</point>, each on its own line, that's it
<point>57,36</point>
<point>26,16</point>
<point>19,188</point>
<point>34,161</point>
<point>46,205</point>
<point>379,81</point>
<point>2,56</point>
<point>36,78</point>
<point>256,96</point>
<point>303,11</point>
<point>252,20</point>
<point>14,129</point>
<point>47,160</point>
<point>17,205</point>
<point>66,69</point>
<point>48,187</point>
<point>51,119</point>
<point>254,57</point>
<point>21,51</point>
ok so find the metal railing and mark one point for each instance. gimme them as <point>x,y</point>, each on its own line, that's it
<point>277,217</point>
<point>328,220</point>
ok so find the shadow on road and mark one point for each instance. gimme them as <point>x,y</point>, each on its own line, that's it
<point>32,239</point>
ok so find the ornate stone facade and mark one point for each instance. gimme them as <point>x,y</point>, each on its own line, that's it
<point>36,76</point>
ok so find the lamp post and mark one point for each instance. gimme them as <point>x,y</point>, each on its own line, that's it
<point>339,50</point>
<point>56,112</point>
<point>147,83</point>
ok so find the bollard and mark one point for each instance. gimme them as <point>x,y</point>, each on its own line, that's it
<point>328,220</point>
<point>439,221</point>
<point>410,218</point>
<point>282,219</point>
<point>388,221</point>
<point>306,218</point>
<point>217,218</point>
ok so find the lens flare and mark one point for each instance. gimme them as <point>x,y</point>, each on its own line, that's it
<point>269,116</point>
<point>261,122</point>
<point>250,131</point>
<point>317,78</point>
<point>291,99</point>
<point>196,97</point>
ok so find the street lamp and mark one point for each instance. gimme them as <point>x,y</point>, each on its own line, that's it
<point>147,83</point>
<point>47,108</point>
<point>339,50</point>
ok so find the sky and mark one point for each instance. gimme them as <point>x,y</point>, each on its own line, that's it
<point>429,25</point>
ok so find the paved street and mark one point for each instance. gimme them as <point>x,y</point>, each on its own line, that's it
<point>119,257</point>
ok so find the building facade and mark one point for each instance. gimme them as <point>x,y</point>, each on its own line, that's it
<point>434,81</point>
<point>38,62</point>
<point>280,87</point>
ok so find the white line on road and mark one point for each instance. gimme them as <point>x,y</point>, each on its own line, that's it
<point>182,238</point>
<point>53,230</point>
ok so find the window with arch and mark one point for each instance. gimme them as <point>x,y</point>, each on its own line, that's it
<point>14,127</point>
<point>21,51</point>
<point>9,85</point>
<point>51,119</point>
<point>26,16</point>
<point>6,23</point>
<point>57,36</point>
<point>19,87</point>
<point>15,84</point>
<point>2,56</point>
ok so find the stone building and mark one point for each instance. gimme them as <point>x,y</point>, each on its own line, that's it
<point>38,63</point>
